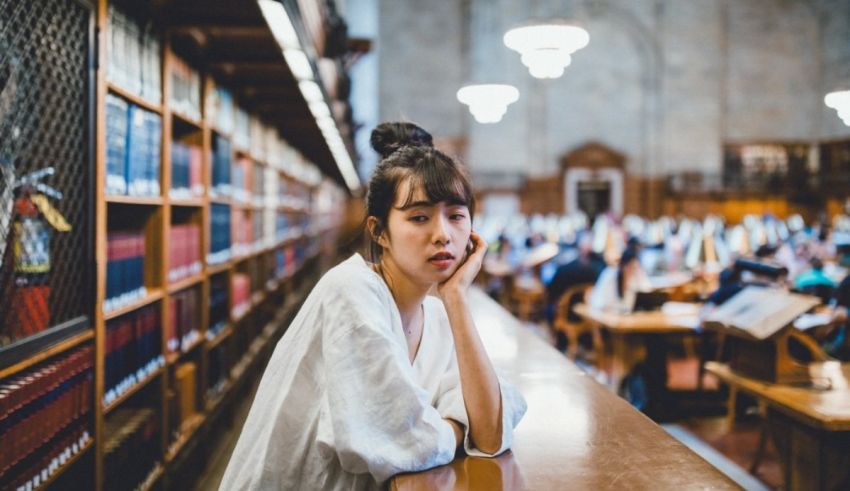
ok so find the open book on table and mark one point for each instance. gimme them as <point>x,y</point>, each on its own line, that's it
<point>758,312</point>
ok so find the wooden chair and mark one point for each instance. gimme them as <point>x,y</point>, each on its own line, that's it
<point>527,298</point>
<point>574,329</point>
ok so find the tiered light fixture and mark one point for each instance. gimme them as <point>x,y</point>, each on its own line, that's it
<point>546,48</point>
<point>488,102</point>
<point>840,101</point>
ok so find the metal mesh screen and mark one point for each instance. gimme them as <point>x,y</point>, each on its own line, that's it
<point>45,166</point>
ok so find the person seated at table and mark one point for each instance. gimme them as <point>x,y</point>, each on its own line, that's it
<point>584,269</point>
<point>814,277</point>
<point>730,285</point>
<point>617,286</point>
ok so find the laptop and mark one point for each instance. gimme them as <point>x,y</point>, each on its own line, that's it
<point>648,301</point>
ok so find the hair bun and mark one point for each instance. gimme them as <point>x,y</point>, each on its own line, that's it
<point>389,137</point>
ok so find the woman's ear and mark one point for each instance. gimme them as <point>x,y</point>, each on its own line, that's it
<point>376,231</point>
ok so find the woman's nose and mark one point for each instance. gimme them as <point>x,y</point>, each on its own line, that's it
<point>441,230</point>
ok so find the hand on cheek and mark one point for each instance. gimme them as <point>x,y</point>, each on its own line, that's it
<point>465,274</point>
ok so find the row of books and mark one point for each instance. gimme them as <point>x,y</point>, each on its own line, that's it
<point>221,163</point>
<point>132,447</point>
<point>182,403</point>
<point>186,168</point>
<point>133,140</point>
<point>36,405</point>
<point>183,328</point>
<point>243,233</point>
<point>242,129</point>
<point>219,233</point>
<point>220,109</point>
<point>185,89</point>
<point>290,226</point>
<point>125,269</point>
<point>37,470</point>
<point>133,351</point>
<point>133,52</point>
<point>219,301</point>
<point>241,294</point>
<point>184,249</point>
<point>242,180</point>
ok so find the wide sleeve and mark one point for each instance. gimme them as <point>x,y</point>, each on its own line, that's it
<point>381,421</point>
<point>450,404</point>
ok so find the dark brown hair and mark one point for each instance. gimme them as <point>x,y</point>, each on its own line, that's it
<point>407,153</point>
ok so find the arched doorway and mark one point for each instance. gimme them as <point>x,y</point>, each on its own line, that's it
<point>594,179</point>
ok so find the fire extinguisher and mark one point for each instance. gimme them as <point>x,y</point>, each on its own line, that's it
<point>35,219</point>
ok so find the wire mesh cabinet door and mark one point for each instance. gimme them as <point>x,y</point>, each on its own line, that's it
<point>46,172</point>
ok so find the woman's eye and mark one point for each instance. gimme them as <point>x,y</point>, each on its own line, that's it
<point>458,216</point>
<point>419,218</point>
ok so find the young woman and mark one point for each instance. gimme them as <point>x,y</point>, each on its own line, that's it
<point>617,286</point>
<point>375,377</point>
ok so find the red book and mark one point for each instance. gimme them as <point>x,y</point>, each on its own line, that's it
<point>195,162</point>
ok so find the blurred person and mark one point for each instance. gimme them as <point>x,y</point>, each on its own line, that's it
<point>617,286</point>
<point>584,269</point>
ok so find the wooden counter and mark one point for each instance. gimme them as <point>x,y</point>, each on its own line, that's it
<point>575,435</point>
<point>810,426</point>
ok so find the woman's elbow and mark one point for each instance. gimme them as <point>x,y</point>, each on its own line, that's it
<point>490,442</point>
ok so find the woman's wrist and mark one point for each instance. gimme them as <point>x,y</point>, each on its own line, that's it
<point>453,297</point>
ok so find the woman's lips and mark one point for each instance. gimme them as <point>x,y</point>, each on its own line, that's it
<point>441,260</point>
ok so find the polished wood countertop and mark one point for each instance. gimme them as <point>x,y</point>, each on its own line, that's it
<point>658,321</point>
<point>824,405</point>
<point>575,435</point>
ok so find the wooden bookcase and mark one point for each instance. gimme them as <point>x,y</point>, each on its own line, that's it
<point>290,244</point>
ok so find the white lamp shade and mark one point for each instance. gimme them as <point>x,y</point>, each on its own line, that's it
<point>488,102</point>
<point>546,48</point>
<point>840,101</point>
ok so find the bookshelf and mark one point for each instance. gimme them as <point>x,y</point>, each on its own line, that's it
<point>209,229</point>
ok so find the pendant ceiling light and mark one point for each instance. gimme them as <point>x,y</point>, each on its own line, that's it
<point>546,48</point>
<point>488,102</point>
<point>840,101</point>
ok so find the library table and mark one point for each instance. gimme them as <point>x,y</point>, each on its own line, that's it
<point>810,425</point>
<point>638,338</point>
<point>575,435</point>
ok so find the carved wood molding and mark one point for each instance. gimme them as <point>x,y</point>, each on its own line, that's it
<point>593,155</point>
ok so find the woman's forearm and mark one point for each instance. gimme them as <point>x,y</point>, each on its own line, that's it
<point>479,384</point>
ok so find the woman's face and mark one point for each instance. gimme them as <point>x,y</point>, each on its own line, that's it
<point>425,241</point>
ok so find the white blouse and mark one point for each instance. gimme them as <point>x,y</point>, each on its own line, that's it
<point>341,407</point>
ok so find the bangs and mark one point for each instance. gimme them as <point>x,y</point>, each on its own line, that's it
<point>441,181</point>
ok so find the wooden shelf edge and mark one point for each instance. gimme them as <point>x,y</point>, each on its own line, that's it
<point>185,283</point>
<point>186,119</point>
<point>153,476</point>
<point>134,200</point>
<point>175,356</point>
<point>187,431</point>
<point>153,296</point>
<point>137,100</point>
<point>213,269</point>
<point>67,465</point>
<point>47,353</point>
<point>221,336</point>
<point>186,203</point>
<point>212,403</point>
<point>132,390</point>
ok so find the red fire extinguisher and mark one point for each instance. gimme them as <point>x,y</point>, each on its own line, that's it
<point>35,219</point>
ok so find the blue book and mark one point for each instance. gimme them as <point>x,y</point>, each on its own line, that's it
<point>136,151</point>
<point>154,126</point>
<point>116,144</point>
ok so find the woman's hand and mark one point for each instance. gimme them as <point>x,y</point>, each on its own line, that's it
<point>465,274</point>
